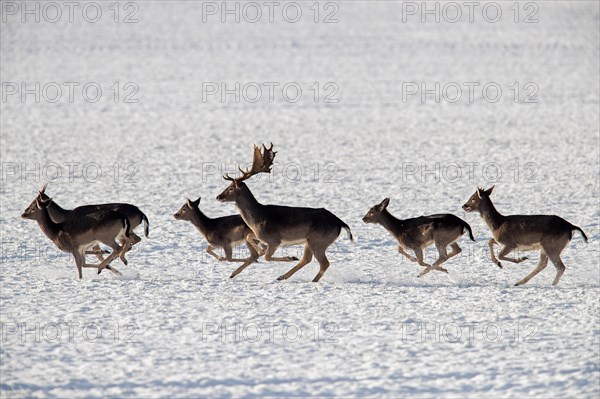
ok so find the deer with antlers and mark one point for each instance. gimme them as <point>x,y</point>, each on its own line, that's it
<point>276,225</point>
<point>548,233</point>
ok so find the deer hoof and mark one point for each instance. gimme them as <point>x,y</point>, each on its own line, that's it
<point>524,258</point>
<point>281,278</point>
<point>293,258</point>
<point>499,265</point>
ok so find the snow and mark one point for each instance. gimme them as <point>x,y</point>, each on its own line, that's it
<point>175,325</point>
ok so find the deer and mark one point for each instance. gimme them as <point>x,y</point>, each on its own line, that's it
<point>418,233</point>
<point>223,232</point>
<point>131,212</point>
<point>275,225</point>
<point>76,235</point>
<point>548,233</point>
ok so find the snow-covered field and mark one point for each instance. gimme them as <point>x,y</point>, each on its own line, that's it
<point>175,325</point>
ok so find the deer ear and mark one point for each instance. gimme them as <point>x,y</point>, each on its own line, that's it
<point>41,203</point>
<point>384,204</point>
<point>489,190</point>
<point>197,202</point>
<point>188,202</point>
<point>479,192</point>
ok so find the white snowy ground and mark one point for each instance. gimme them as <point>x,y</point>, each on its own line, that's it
<point>175,325</point>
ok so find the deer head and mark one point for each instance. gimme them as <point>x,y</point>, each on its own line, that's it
<point>34,209</point>
<point>184,213</point>
<point>477,198</point>
<point>374,214</point>
<point>261,163</point>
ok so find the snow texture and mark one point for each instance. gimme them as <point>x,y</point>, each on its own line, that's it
<point>175,325</point>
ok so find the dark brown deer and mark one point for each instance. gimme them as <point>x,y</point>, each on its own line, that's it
<point>416,234</point>
<point>277,225</point>
<point>223,232</point>
<point>548,233</point>
<point>131,212</point>
<point>78,234</point>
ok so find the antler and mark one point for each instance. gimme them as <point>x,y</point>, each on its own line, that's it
<point>261,163</point>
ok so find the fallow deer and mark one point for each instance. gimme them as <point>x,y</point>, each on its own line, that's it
<point>78,234</point>
<point>131,212</point>
<point>418,233</point>
<point>223,232</point>
<point>548,233</point>
<point>277,225</point>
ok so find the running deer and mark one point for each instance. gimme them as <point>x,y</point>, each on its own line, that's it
<point>75,235</point>
<point>224,232</point>
<point>277,225</point>
<point>131,212</point>
<point>548,233</point>
<point>416,234</point>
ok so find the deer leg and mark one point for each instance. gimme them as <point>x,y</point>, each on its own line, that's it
<point>270,258</point>
<point>228,254</point>
<point>134,238</point>
<point>96,250</point>
<point>560,267</point>
<point>443,256</point>
<point>125,246</point>
<point>87,265</point>
<point>108,267</point>
<point>128,244</point>
<point>306,258</point>
<point>508,249</point>
<point>242,267</point>
<point>455,250</point>
<point>251,240</point>
<point>541,266</point>
<point>419,255</point>
<point>493,256</point>
<point>78,262</point>
<point>209,250</point>
<point>402,252</point>
<point>116,249</point>
<point>106,262</point>
<point>261,248</point>
<point>319,253</point>
<point>254,253</point>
